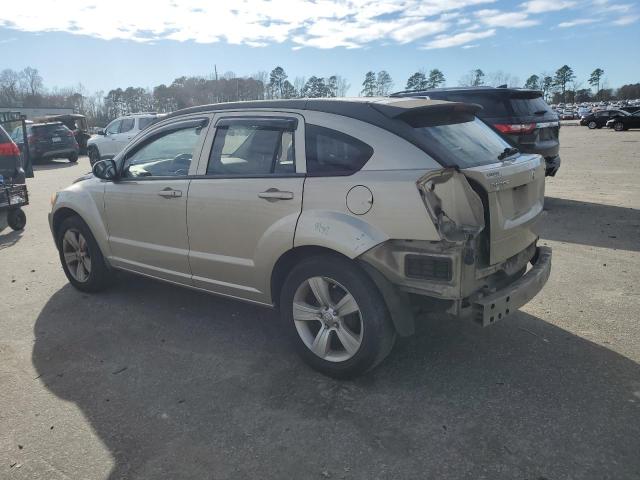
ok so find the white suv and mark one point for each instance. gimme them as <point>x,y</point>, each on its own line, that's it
<point>110,141</point>
<point>341,213</point>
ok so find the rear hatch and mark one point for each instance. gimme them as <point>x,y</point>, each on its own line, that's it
<point>532,127</point>
<point>509,184</point>
<point>51,136</point>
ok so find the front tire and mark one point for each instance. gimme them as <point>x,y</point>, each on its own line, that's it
<point>336,317</point>
<point>94,154</point>
<point>81,258</point>
<point>17,219</point>
<point>592,125</point>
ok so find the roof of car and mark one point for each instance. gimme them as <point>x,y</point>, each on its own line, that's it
<point>480,88</point>
<point>391,114</point>
<point>376,110</point>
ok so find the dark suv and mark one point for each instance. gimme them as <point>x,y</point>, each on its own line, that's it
<point>48,141</point>
<point>518,115</point>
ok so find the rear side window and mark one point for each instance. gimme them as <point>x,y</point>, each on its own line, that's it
<point>144,122</point>
<point>245,147</point>
<point>330,152</point>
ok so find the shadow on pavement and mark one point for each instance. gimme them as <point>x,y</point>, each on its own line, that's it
<point>53,164</point>
<point>9,238</point>
<point>593,224</point>
<point>179,384</point>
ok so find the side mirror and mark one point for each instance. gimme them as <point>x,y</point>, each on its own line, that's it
<point>101,131</point>
<point>105,169</point>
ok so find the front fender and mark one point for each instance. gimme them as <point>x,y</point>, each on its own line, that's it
<point>346,234</point>
<point>86,201</point>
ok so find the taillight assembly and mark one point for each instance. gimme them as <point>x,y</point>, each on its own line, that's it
<point>9,149</point>
<point>515,128</point>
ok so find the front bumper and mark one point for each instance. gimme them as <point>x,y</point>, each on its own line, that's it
<point>496,306</point>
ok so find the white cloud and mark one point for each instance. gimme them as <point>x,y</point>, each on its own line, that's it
<point>576,22</point>
<point>306,23</point>
<point>446,41</point>
<point>496,18</point>
<point>542,6</point>
<point>626,20</point>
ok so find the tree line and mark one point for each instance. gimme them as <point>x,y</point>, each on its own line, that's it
<point>26,88</point>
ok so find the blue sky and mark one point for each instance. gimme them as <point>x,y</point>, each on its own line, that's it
<point>119,43</point>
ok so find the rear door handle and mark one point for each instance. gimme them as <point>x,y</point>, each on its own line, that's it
<point>170,193</point>
<point>273,194</point>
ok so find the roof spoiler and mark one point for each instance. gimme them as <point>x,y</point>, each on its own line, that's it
<point>417,114</point>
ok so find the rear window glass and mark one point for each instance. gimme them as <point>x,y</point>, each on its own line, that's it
<point>330,152</point>
<point>468,144</point>
<point>49,129</point>
<point>492,105</point>
<point>144,122</point>
<point>528,106</point>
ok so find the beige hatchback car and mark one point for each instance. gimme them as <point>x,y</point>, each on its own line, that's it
<point>347,215</point>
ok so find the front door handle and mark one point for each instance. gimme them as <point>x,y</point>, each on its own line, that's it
<point>170,193</point>
<point>273,195</point>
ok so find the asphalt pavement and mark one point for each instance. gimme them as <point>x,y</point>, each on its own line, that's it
<point>151,381</point>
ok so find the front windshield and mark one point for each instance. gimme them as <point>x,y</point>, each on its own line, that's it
<point>468,144</point>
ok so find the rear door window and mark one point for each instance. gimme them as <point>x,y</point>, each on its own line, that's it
<point>330,152</point>
<point>246,147</point>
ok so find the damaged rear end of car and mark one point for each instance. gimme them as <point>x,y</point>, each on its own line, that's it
<point>485,203</point>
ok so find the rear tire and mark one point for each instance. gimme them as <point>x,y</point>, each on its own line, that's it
<point>17,219</point>
<point>341,325</point>
<point>592,125</point>
<point>80,256</point>
<point>73,158</point>
<point>618,126</point>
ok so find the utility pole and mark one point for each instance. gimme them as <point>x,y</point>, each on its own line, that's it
<point>215,69</point>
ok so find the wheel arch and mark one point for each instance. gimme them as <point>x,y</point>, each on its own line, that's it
<point>96,228</point>
<point>290,259</point>
<point>397,302</point>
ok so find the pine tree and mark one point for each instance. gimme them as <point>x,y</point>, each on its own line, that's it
<point>384,83</point>
<point>417,81</point>
<point>594,79</point>
<point>369,86</point>
<point>436,78</point>
<point>563,76</point>
<point>533,82</point>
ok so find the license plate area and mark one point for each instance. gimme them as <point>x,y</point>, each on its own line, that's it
<point>56,139</point>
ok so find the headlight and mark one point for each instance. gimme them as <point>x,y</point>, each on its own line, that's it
<point>16,198</point>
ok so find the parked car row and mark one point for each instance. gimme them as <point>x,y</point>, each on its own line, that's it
<point>619,120</point>
<point>47,141</point>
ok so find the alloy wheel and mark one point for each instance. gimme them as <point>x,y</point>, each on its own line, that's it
<point>75,251</point>
<point>328,319</point>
